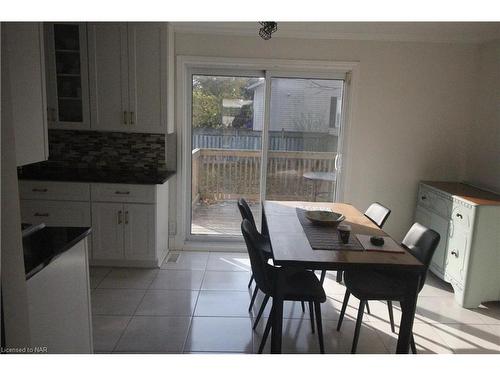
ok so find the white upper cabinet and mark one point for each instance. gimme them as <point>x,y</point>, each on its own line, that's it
<point>24,99</point>
<point>108,76</point>
<point>128,76</point>
<point>67,75</point>
<point>148,76</point>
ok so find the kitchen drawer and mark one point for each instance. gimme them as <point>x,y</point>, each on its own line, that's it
<point>56,213</point>
<point>462,215</point>
<point>123,193</point>
<point>50,190</point>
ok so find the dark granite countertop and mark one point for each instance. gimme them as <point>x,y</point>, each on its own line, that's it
<point>54,171</point>
<point>42,246</point>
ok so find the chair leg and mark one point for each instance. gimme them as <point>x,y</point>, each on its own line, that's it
<point>250,282</point>
<point>322,278</point>
<point>261,310</point>
<point>303,306</point>
<point>391,315</point>
<point>368,308</point>
<point>319,326</point>
<point>311,316</point>
<point>253,298</point>
<point>266,332</point>
<point>412,345</point>
<point>344,307</point>
<point>339,276</point>
<point>358,326</point>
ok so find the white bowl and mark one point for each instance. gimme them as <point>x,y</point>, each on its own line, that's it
<point>326,218</point>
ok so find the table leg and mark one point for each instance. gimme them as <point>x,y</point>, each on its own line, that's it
<point>408,308</point>
<point>277,324</point>
<point>339,276</point>
<point>315,190</point>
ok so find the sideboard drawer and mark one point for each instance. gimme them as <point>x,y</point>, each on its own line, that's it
<point>457,253</point>
<point>442,206</point>
<point>123,193</point>
<point>462,215</point>
<point>56,213</point>
<point>50,190</point>
<point>424,196</point>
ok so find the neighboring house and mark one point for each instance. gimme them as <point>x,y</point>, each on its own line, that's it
<point>300,105</point>
<point>230,108</point>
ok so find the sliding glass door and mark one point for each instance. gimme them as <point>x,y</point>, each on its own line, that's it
<point>260,136</point>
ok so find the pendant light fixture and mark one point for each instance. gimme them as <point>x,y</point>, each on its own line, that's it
<point>267,29</point>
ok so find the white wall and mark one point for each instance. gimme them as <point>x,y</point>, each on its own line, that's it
<point>483,152</point>
<point>412,110</point>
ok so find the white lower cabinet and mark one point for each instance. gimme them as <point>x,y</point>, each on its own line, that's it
<point>107,230</point>
<point>468,255</point>
<point>129,222</point>
<point>138,231</point>
<point>56,213</point>
<point>123,232</point>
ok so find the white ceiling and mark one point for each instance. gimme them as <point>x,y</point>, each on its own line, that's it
<point>456,32</point>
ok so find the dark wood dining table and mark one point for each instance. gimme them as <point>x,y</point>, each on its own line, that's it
<point>291,248</point>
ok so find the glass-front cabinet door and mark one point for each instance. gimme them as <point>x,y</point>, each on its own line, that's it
<point>67,75</point>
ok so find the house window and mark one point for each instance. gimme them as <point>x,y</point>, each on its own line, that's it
<point>333,112</point>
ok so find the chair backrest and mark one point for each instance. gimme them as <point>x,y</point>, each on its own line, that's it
<point>245,211</point>
<point>378,214</point>
<point>253,241</point>
<point>421,242</point>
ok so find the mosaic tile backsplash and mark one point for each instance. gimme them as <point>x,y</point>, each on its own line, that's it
<point>107,150</point>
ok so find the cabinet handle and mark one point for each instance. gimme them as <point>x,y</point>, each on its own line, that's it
<point>126,217</point>
<point>125,118</point>
<point>119,217</point>
<point>454,252</point>
<point>40,190</point>
<point>460,216</point>
<point>122,192</point>
<point>39,214</point>
<point>132,120</point>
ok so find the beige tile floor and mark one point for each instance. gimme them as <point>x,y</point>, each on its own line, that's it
<point>200,305</point>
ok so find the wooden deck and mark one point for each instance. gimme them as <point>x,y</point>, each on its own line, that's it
<point>222,218</point>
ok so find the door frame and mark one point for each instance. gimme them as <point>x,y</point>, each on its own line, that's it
<point>185,66</point>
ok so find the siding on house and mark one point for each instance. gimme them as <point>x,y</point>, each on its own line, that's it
<point>299,105</point>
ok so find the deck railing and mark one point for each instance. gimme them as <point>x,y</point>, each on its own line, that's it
<point>249,139</point>
<point>227,174</point>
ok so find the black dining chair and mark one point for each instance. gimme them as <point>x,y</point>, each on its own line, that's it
<point>378,215</point>
<point>276,282</point>
<point>246,213</point>
<point>421,242</point>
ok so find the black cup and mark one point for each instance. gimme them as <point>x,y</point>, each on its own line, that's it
<point>344,233</point>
